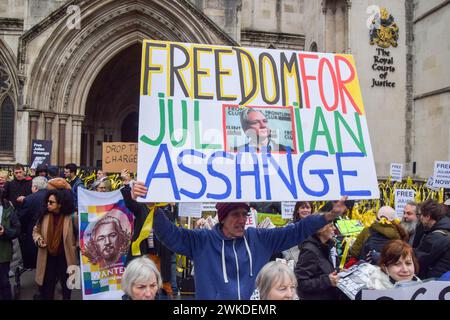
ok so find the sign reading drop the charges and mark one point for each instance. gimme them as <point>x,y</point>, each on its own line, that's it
<point>223,123</point>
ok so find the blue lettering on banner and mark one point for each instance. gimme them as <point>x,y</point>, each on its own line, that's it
<point>192,172</point>
<point>254,172</point>
<point>219,175</point>
<point>289,184</point>
<point>320,173</point>
<point>288,176</point>
<point>169,174</point>
<point>352,173</point>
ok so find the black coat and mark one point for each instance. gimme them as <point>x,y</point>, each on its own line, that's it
<point>433,252</point>
<point>15,189</point>
<point>33,207</point>
<point>140,212</point>
<point>312,270</point>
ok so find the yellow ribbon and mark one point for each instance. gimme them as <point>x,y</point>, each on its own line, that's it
<point>344,255</point>
<point>146,228</point>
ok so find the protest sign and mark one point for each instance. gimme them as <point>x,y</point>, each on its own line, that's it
<point>430,184</point>
<point>223,123</point>
<point>402,197</point>
<point>396,172</point>
<point>209,206</point>
<point>349,227</point>
<point>251,220</point>
<point>190,209</point>
<point>106,227</point>
<point>441,174</point>
<point>430,290</point>
<point>276,219</point>
<point>41,153</point>
<point>287,209</point>
<point>119,155</point>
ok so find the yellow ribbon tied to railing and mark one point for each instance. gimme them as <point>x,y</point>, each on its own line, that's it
<point>146,228</point>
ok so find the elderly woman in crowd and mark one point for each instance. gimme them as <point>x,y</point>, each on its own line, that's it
<point>275,281</point>
<point>316,267</point>
<point>101,185</point>
<point>141,280</point>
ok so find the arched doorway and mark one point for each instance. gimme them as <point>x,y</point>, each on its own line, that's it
<point>130,128</point>
<point>73,68</point>
<point>112,105</point>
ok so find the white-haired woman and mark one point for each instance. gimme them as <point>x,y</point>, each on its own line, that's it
<point>141,280</point>
<point>275,281</point>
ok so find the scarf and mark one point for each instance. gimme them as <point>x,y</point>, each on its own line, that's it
<point>54,234</point>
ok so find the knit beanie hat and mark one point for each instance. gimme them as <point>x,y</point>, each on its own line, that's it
<point>224,208</point>
<point>386,212</point>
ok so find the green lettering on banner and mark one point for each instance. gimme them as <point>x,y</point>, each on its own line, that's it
<point>171,128</point>
<point>301,144</point>
<point>320,118</point>
<point>162,124</point>
<point>338,118</point>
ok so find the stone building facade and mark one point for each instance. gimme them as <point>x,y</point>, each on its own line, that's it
<point>69,69</point>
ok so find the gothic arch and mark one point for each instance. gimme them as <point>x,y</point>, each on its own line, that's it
<point>70,60</point>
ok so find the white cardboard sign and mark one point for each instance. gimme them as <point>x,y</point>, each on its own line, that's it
<point>432,290</point>
<point>287,209</point>
<point>402,197</point>
<point>441,174</point>
<point>228,124</point>
<point>396,172</point>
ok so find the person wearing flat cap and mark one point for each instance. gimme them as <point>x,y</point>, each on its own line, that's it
<point>228,258</point>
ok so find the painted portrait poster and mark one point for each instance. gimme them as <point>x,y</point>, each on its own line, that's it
<point>106,227</point>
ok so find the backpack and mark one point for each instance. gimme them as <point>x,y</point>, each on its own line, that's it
<point>376,241</point>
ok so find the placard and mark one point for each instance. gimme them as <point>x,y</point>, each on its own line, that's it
<point>402,197</point>
<point>117,156</point>
<point>287,209</point>
<point>396,172</point>
<point>441,174</point>
<point>431,290</point>
<point>190,209</point>
<point>41,153</point>
<point>221,123</point>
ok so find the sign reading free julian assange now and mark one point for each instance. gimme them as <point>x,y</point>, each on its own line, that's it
<point>221,123</point>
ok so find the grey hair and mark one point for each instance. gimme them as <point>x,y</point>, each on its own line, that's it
<point>270,274</point>
<point>415,205</point>
<point>244,117</point>
<point>139,270</point>
<point>40,183</point>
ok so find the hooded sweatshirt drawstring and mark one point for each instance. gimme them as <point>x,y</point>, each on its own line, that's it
<point>249,255</point>
<point>224,268</point>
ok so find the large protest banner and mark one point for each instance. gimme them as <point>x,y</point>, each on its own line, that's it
<point>106,226</point>
<point>223,123</point>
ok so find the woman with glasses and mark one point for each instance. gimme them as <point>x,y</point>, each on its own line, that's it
<point>56,239</point>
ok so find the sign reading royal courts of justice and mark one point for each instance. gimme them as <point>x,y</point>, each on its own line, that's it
<point>224,123</point>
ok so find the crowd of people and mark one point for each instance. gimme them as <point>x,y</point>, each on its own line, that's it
<point>300,260</point>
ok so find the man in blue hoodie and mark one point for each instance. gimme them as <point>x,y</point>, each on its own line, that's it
<point>227,258</point>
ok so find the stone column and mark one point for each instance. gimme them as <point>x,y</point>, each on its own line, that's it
<point>339,20</point>
<point>330,37</point>
<point>62,138</point>
<point>77,122</point>
<point>33,123</point>
<point>49,116</point>
<point>34,118</point>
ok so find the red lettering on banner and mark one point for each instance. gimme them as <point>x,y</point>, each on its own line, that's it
<point>322,63</point>
<point>306,78</point>
<point>342,82</point>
